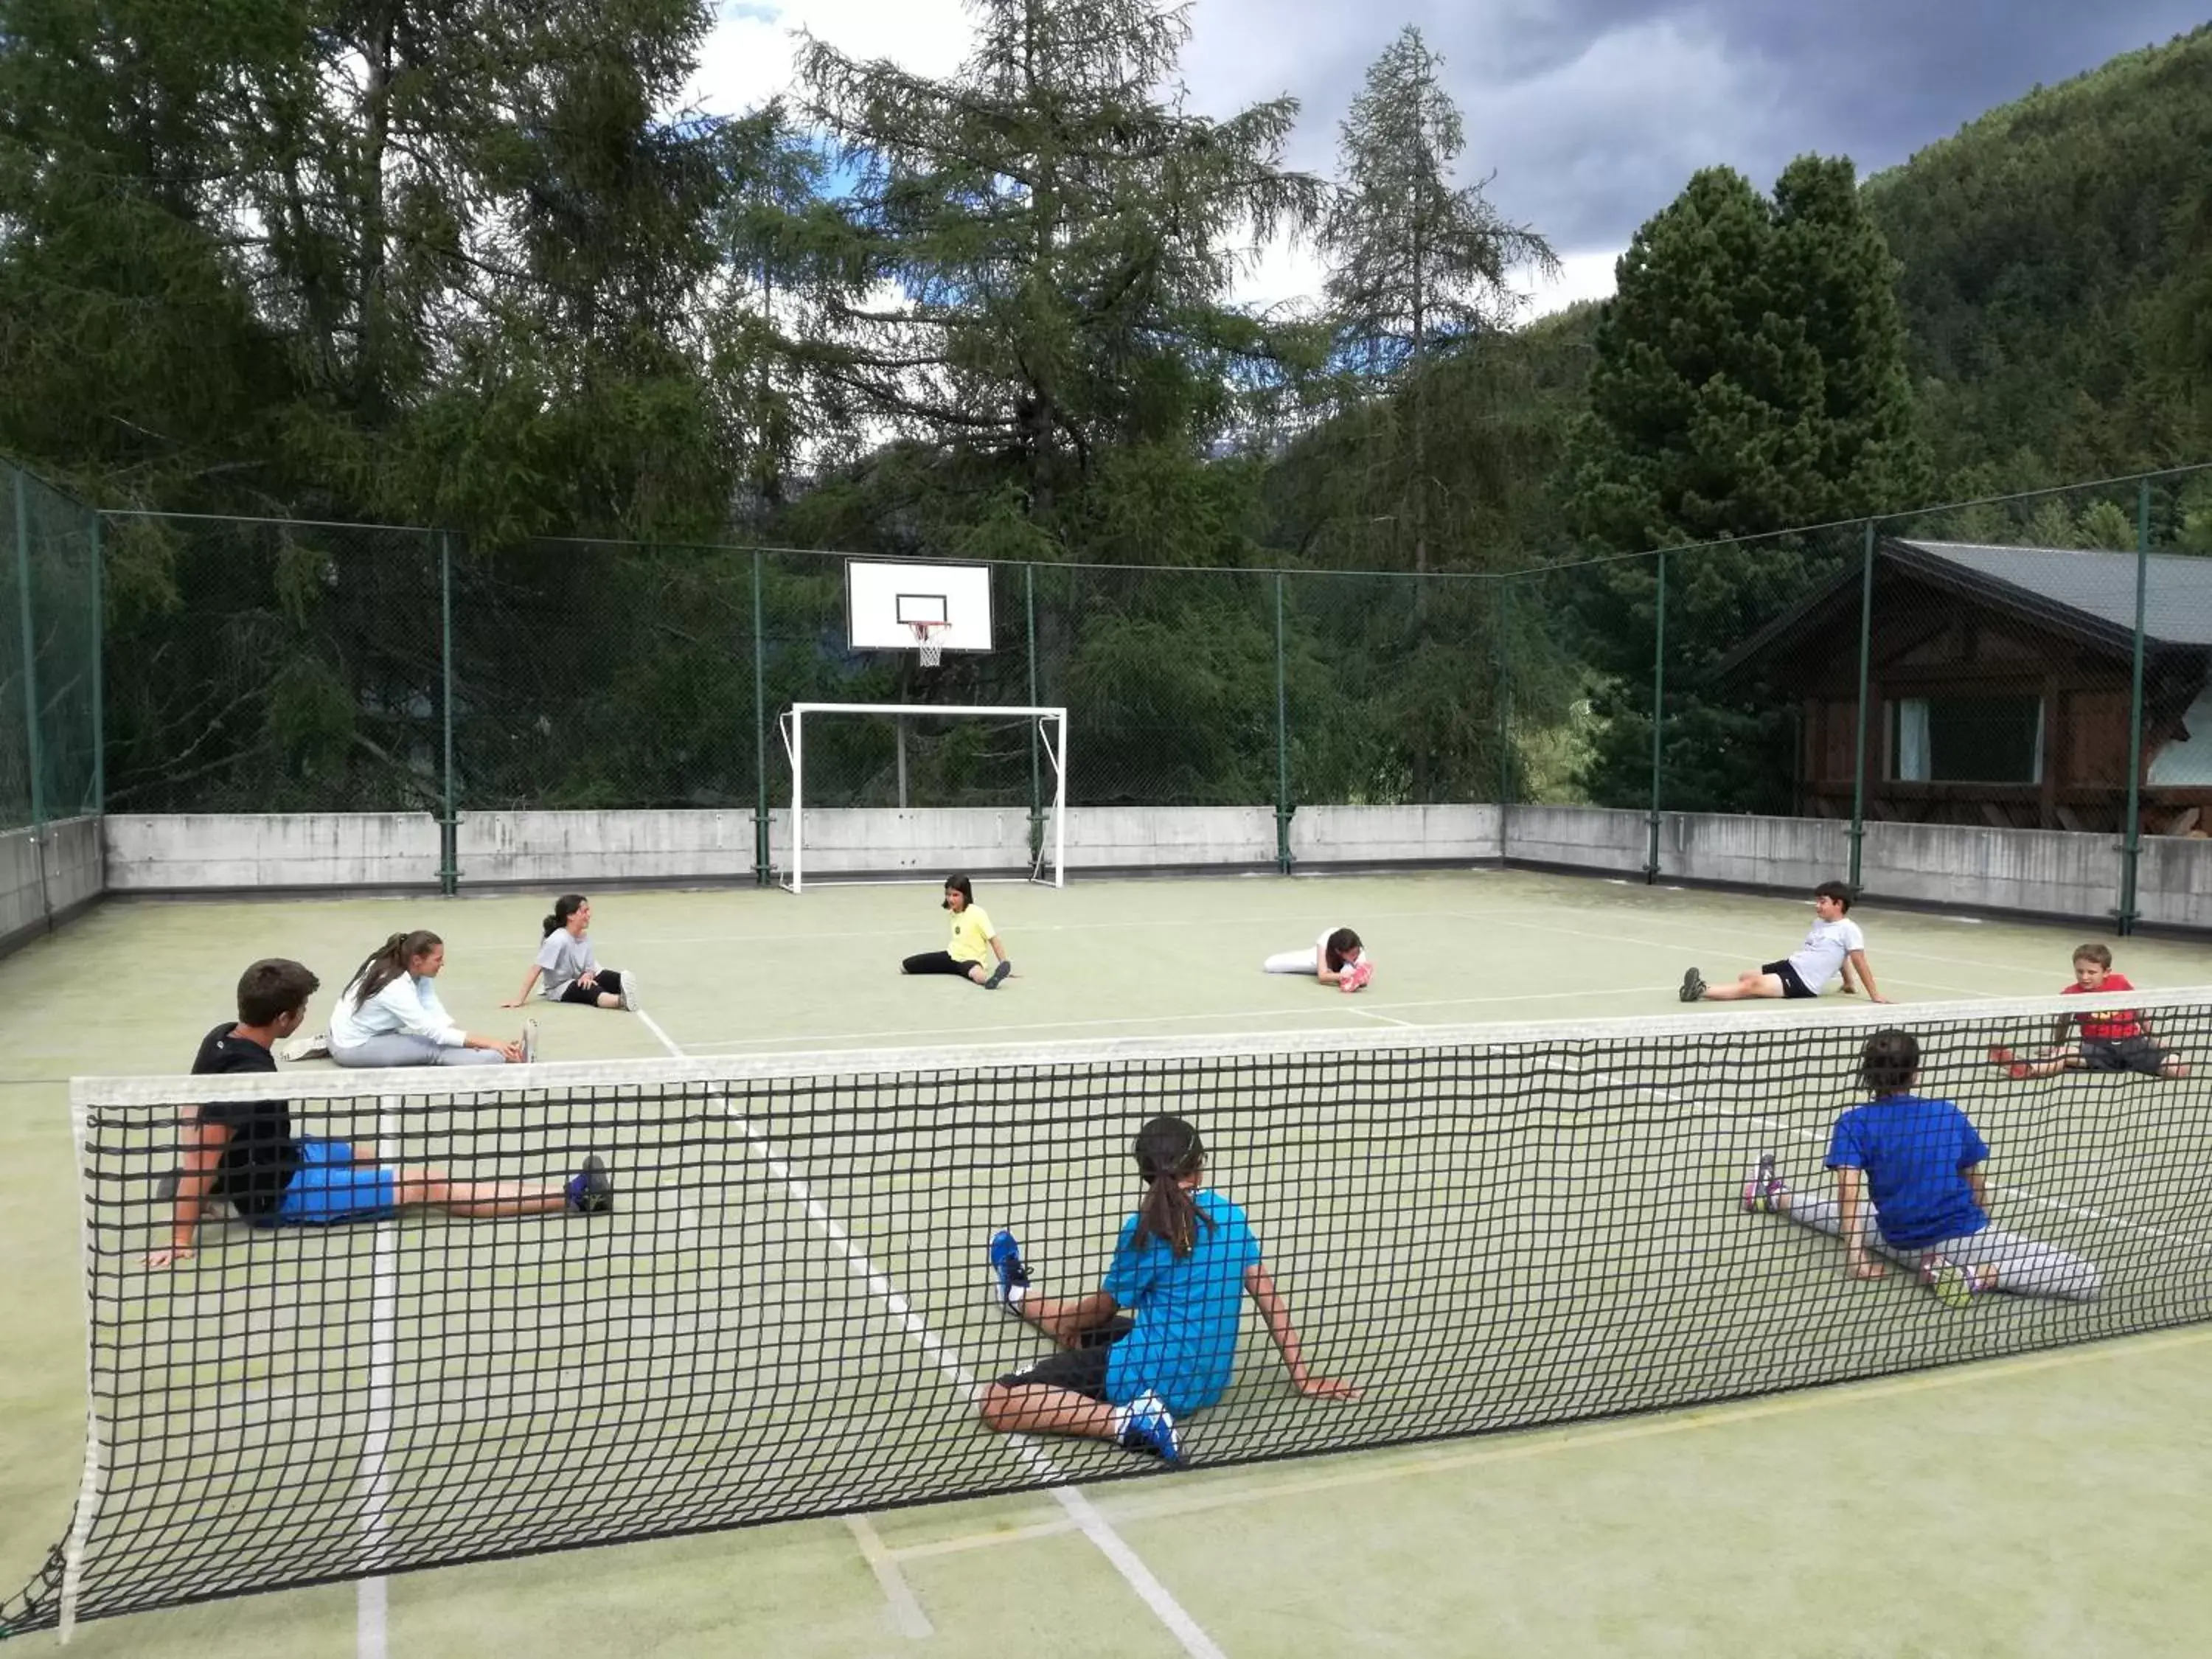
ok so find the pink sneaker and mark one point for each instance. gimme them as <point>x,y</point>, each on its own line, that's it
<point>1762,1187</point>
<point>1355,977</point>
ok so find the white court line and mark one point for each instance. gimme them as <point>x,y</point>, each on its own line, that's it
<point>1093,1525</point>
<point>906,1608</point>
<point>783,936</point>
<point>1369,1013</point>
<point>371,1596</point>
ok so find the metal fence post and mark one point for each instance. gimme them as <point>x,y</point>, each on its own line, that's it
<point>449,823</point>
<point>762,874</point>
<point>1504,636</point>
<point>2132,849</point>
<point>1859,737</point>
<point>1658,708</point>
<point>1283,807</point>
<point>99,666</point>
<point>1036,803</point>
<point>34,752</point>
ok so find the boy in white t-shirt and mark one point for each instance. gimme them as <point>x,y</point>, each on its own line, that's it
<point>1835,946</point>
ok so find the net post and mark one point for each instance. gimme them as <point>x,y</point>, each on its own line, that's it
<point>2131,848</point>
<point>449,833</point>
<point>1859,756</point>
<point>1283,807</point>
<point>372,1481</point>
<point>1658,707</point>
<point>762,874</point>
<point>1036,799</point>
<point>99,662</point>
<point>88,1486</point>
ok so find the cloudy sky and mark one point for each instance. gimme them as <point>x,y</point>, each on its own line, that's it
<point>1591,113</point>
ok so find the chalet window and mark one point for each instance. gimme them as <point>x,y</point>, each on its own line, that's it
<point>1965,739</point>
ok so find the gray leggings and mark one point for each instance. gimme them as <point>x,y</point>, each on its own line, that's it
<point>2024,1266</point>
<point>399,1048</point>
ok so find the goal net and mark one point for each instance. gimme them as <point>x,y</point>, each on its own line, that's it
<point>913,792</point>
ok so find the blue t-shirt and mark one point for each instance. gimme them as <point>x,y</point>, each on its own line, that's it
<point>1184,1345</point>
<point>1915,1154</point>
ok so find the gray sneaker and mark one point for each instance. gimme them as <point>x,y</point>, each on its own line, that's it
<point>629,992</point>
<point>529,1042</point>
<point>1693,986</point>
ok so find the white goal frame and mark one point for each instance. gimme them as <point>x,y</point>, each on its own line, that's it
<point>1050,723</point>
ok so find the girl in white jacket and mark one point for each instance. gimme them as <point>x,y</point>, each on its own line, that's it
<point>389,1014</point>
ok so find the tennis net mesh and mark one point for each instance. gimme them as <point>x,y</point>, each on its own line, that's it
<point>787,1314</point>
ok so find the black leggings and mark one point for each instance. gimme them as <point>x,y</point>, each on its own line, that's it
<point>938,962</point>
<point>605,979</point>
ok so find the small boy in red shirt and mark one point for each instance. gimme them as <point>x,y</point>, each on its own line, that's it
<point>2116,1041</point>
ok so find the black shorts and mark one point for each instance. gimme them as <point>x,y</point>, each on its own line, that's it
<point>1081,1370</point>
<point>1791,985</point>
<point>604,979</point>
<point>2135,1054</point>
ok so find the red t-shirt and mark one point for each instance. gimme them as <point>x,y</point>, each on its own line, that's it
<point>2110,1027</point>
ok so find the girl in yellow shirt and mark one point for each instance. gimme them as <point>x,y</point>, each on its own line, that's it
<point>973,942</point>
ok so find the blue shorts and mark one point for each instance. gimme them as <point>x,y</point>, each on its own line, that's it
<point>331,1185</point>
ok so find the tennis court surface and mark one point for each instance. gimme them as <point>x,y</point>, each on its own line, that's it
<point>1463,1265</point>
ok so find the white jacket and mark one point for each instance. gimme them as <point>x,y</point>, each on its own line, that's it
<point>409,1004</point>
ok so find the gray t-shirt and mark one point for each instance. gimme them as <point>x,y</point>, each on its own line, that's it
<point>565,960</point>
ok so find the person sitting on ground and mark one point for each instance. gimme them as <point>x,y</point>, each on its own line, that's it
<point>1834,946</point>
<point>247,1154</point>
<point>2119,1041</point>
<point>389,1014</point>
<point>973,942</point>
<point>1180,1266</point>
<point>1337,958</point>
<point>571,972</point>
<point>1920,1160</point>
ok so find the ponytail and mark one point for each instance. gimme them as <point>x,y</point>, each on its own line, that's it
<point>1167,1150</point>
<point>1342,943</point>
<point>563,908</point>
<point>388,963</point>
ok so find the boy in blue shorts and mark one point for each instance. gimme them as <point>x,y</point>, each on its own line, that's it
<point>1182,1265</point>
<point>245,1152</point>
<point>1920,1160</point>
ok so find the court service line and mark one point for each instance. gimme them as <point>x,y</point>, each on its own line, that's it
<point>783,936</point>
<point>1570,1437</point>
<point>1083,1514</point>
<point>906,1607</point>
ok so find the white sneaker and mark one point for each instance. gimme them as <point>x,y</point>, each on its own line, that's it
<point>529,1042</point>
<point>317,1047</point>
<point>629,992</point>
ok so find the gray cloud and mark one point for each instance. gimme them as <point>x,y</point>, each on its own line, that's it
<point>1593,113</point>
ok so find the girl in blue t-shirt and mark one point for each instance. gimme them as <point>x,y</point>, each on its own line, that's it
<point>1920,1162</point>
<point>1180,1266</point>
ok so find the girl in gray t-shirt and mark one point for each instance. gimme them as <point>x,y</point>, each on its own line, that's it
<point>570,971</point>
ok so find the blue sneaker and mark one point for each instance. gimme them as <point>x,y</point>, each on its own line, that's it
<point>1007,1267</point>
<point>590,1192</point>
<point>1146,1427</point>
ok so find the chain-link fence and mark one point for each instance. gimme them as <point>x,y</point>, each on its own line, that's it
<point>2038,661</point>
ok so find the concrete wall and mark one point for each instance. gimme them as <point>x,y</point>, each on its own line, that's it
<point>2049,872</point>
<point>46,876</point>
<point>552,849</point>
<point>1384,834</point>
<point>875,841</point>
<point>1748,852</point>
<point>180,852</point>
<point>1579,837</point>
<point>2173,883</point>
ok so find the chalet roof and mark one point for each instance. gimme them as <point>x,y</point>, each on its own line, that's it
<point>2084,593</point>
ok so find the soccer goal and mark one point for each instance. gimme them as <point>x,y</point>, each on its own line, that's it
<point>901,840</point>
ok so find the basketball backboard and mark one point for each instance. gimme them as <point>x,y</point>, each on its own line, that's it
<point>889,606</point>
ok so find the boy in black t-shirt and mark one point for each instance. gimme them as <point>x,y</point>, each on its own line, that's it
<point>244,1151</point>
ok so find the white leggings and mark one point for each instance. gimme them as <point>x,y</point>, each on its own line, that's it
<point>2025,1266</point>
<point>401,1048</point>
<point>1306,962</point>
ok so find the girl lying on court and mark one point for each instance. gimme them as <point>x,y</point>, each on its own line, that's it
<point>571,972</point>
<point>1921,1161</point>
<point>973,942</point>
<point>1180,1266</point>
<point>1337,958</point>
<point>389,1014</point>
<point>245,1152</point>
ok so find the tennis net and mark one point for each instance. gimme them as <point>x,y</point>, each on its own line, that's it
<point>788,1314</point>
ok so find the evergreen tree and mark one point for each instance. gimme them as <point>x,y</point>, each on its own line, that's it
<point>1748,377</point>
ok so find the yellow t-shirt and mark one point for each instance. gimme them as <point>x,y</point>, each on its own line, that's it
<point>971,936</point>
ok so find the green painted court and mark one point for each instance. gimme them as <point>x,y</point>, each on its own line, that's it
<point>1910,1513</point>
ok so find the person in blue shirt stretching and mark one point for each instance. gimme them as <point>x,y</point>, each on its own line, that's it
<point>1180,1266</point>
<point>1920,1160</point>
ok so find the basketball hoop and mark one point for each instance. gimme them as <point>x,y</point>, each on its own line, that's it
<point>929,650</point>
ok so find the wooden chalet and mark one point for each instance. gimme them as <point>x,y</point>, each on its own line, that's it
<point>2000,677</point>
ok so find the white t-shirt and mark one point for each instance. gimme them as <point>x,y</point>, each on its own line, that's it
<point>564,959</point>
<point>1822,956</point>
